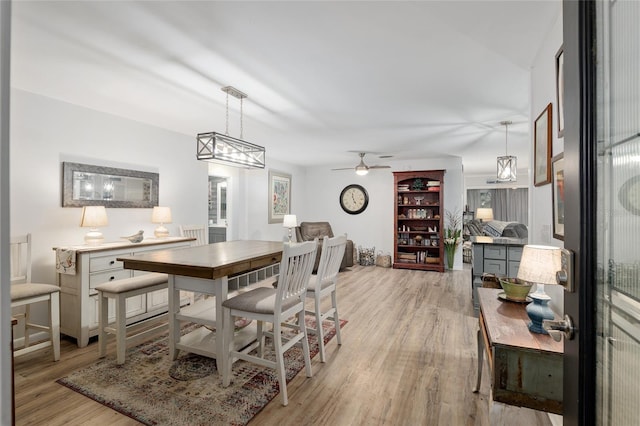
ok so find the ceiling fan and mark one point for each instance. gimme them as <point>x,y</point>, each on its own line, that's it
<point>362,169</point>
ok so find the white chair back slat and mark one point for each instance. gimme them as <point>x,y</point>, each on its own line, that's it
<point>295,271</point>
<point>199,232</point>
<point>331,258</point>
<point>20,261</point>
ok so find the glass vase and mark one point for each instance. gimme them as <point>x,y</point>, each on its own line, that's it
<point>450,252</point>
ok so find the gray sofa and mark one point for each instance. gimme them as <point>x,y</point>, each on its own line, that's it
<point>496,228</point>
<point>307,231</point>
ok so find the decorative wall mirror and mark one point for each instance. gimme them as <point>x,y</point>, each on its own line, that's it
<point>88,185</point>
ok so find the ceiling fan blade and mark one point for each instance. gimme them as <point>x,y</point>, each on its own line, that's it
<point>379,167</point>
<point>344,168</point>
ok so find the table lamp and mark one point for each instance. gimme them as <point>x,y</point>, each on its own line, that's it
<point>290,222</point>
<point>161,215</point>
<point>538,265</point>
<point>484,214</point>
<point>94,217</point>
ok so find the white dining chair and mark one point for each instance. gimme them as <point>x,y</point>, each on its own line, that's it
<point>273,305</point>
<point>24,294</point>
<point>323,284</point>
<point>199,232</point>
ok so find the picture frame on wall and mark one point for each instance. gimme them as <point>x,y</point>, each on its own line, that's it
<point>279,196</point>
<point>560,90</point>
<point>558,196</point>
<point>542,148</point>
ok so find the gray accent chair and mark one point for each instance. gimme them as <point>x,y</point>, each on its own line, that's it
<point>308,231</point>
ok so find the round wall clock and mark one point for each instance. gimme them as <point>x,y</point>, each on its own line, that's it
<point>629,195</point>
<point>354,199</point>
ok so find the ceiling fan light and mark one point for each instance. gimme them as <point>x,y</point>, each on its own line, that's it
<point>361,171</point>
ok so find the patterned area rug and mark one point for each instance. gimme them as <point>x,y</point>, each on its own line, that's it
<point>154,390</point>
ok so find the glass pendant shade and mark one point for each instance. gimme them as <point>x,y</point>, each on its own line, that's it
<point>507,166</point>
<point>214,146</point>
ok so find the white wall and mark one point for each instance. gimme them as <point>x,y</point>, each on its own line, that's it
<point>543,92</point>
<point>45,132</point>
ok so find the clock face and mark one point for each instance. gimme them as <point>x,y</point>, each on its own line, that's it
<point>354,199</point>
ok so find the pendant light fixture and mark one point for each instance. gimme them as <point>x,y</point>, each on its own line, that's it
<point>507,164</point>
<point>213,146</point>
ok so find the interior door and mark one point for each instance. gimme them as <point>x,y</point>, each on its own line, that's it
<point>601,368</point>
<point>218,209</point>
<point>580,190</point>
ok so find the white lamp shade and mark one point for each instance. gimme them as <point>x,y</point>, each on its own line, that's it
<point>94,217</point>
<point>539,264</point>
<point>484,214</point>
<point>161,215</point>
<point>289,221</point>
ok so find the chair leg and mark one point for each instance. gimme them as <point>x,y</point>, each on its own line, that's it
<point>103,310</point>
<point>27,321</point>
<point>280,371</point>
<point>227,344</point>
<point>305,345</point>
<point>336,317</point>
<point>54,324</point>
<point>121,328</point>
<point>261,339</point>
<point>318,327</point>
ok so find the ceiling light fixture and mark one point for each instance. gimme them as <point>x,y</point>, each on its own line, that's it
<point>213,146</point>
<point>507,164</point>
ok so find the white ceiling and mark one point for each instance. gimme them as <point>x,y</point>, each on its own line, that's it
<point>409,79</point>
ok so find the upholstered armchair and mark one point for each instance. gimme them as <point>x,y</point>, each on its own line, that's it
<point>307,231</point>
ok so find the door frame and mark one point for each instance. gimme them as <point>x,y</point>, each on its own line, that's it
<point>580,156</point>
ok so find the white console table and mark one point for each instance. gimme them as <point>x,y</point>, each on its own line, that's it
<point>96,265</point>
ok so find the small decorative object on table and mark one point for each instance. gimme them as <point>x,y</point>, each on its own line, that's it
<point>452,235</point>
<point>135,238</point>
<point>515,289</point>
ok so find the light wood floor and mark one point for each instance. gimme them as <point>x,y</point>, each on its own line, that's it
<point>408,358</point>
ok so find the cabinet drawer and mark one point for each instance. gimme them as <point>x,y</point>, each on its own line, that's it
<point>103,263</point>
<point>495,252</point>
<point>498,267</point>
<point>515,253</point>
<point>513,269</point>
<point>103,277</point>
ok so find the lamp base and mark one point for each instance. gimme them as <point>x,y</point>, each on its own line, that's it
<point>539,311</point>
<point>161,232</point>
<point>93,237</point>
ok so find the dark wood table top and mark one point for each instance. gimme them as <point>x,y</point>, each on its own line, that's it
<point>209,261</point>
<point>506,324</point>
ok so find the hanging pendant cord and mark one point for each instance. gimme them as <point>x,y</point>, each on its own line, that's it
<point>226,131</point>
<point>506,131</point>
<point>241,115</point>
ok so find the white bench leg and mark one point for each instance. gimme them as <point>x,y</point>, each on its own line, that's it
<point>121,328</point>
<point>103,321</point>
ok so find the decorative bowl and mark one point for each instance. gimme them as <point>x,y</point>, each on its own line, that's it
<point>515,289</point>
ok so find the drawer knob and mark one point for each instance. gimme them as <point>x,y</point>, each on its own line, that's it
<point>112,262</point>
<point>112,278</point>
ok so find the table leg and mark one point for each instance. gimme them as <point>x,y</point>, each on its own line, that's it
<point>174,324</point>
<point>480,361</point>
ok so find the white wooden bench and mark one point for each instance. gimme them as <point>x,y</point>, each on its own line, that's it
<point>120,290</point>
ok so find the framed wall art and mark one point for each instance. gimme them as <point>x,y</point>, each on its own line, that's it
<point>542,148</point>
<point>279,196</point>
<point>560,91</point>
<point>558,196</point>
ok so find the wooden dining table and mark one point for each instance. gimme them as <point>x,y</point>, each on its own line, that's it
<point>205,269</point>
